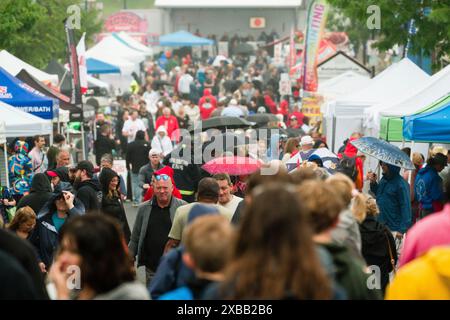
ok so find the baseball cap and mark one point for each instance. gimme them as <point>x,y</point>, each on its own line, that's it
<point>52,174</point>
<point>199,210</point>
<point>293,117</point>
<point>306,140</point>
<point>154,152</point>
<point>85,165</point>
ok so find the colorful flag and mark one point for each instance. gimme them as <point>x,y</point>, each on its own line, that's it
<point>81,51</point>
<point>317,15</point>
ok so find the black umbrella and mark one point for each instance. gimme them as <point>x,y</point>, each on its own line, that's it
<point>222,123</point>
<point>244,48</point>
<point>262,118</point>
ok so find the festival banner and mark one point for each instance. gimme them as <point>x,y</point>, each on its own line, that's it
<point>317,15</point>
<point>73,63</point>
<point>81,52</point>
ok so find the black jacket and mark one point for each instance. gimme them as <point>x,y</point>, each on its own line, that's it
<point>137,155</point>
<point>16,283</point>
<point>113,206</point>
<point>376,240</point>
<point>40,193</point>
<point>45,236</point>
<point>89,193</point>
<point>25,254</point>
<point>145,175</point>
<point>103,145</point>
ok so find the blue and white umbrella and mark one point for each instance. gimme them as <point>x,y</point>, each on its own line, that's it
<point>329,159</point>
<point>383,151</point>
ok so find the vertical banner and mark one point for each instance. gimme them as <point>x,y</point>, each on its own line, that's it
<point>223,48</point>
<point>292,50</point>
<point>73,63</point>
<point>317,15</point>
<point>278,54</point>
<point>81,52</point>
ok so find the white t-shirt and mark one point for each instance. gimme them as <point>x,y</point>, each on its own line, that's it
<point>131,127</point>
<point>233,203</point>
<point>184,84</point>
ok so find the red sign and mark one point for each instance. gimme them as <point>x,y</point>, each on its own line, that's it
<point>125,21</point>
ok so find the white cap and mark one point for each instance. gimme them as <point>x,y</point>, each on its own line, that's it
<point>153,152</point>
<point>233,102</point>
<point>306,140</point>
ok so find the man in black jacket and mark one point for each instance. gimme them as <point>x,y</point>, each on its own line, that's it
<point>104,143</point>
<point>146,172</point>
<point>137,157</point>
<point>40,193</point>
<point>88,191</point>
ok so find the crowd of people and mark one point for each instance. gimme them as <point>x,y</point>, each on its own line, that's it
<point>314,232</point>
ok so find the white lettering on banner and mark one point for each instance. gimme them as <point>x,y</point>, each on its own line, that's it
<point>6,95</point>
<point>35,109</point>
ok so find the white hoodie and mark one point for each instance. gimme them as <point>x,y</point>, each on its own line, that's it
<point>163,144</point>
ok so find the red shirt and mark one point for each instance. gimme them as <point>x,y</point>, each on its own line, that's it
<point>268,101</point>
<point>171,124</point>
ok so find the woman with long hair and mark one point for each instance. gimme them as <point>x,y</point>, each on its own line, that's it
<point>93,248</point>
<point>23,222</point>
<point>112,204</point>
<point>290,149</point>
<point>274,256</point>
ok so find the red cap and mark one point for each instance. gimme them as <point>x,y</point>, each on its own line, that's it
<point>52,174</point>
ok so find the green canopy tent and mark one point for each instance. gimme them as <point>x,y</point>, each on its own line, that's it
<point>391,128</point>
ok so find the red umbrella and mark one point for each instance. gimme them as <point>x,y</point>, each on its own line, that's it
<point>234,166</point>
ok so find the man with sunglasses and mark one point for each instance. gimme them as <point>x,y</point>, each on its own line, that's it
<point>153,223</point>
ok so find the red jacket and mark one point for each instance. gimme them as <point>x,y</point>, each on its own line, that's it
<point>300,116</point>
<point>351,151</point>
<point>284,108</point>
<point>171,125</point>
<point>268,101</point>
<point>205,113</point>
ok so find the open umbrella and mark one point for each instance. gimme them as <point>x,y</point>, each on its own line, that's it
<point>222,123</point>
<point>262,118</point>
<point>383,151</point>
<point>244,48</point>
<point>219,59</point>
<point>329,159</point>
<point>234,166</point>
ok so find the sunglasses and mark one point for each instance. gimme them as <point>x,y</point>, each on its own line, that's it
<point>160,177</point>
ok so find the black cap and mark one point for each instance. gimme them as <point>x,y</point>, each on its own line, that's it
<point>86,165</point>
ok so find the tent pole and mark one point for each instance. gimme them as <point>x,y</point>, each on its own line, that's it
<point>5,153</point>
<point>51,135</point>
<point>411,157</point>
<point>83,142</point>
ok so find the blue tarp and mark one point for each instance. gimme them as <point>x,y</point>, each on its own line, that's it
<point>433,126</point>
<point>20,95</point>
<point>183,39</point>
<point>95,66</point>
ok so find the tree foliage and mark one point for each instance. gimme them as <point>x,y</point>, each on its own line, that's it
<point>34,30</point>
<point>432,20</point>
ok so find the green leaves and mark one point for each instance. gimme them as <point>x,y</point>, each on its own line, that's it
<point>34,30</point>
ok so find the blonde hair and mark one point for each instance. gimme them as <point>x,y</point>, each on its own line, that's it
<point>208,241</point>
<point>359,207</point>
<point>372,207</point>
<point>343,186</point>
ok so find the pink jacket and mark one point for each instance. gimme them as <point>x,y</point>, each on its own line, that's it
<point>432,231</point>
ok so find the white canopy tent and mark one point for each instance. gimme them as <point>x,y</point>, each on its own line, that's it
<point>110,47</point>
<point>412,101</point>
<point>345,116</point>
<point>14,65</point>
<point>134,44</point>
<point>342,85</point>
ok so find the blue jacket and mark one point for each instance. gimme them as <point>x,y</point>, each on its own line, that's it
<point>428,187</point>
<point>171,273</point>
<point>45,236</point>
<point>394,200</point>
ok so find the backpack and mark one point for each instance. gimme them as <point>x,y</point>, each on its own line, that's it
<point>347,166</point>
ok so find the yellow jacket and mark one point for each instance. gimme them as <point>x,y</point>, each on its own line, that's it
<point>426,278</point>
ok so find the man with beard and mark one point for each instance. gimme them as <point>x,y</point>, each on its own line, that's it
<point>88,191</point>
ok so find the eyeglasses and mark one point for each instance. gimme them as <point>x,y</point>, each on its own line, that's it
<point>160,177</point>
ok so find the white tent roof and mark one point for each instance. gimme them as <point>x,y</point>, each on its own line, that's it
<point>425,94</point>
<point>96,82</point>
<point>134,43</point>
<point>228,3</point>
<point>343,84</point>
<point>19,123</point>
<point>13,65</point>
<point>110,48</point>
<point>394,81</point>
